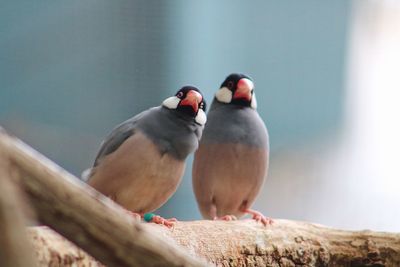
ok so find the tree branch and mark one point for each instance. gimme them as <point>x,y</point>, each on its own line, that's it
<point>246,243</point>
<point>103,229</point>
<point>87,218</point>
<point>15,251</point>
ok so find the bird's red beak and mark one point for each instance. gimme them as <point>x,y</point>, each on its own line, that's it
<point>243,90</point>
<point>193,99</point>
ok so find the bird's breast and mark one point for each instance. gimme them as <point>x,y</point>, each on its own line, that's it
<point>235,126</point>
<point>137,175</point>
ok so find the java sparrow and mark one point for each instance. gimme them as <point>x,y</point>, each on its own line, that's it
<point>141,162</point>
<point>231,163</point>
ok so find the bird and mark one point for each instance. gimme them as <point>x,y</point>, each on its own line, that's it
<point>141,162</point>
<point>231,163</point>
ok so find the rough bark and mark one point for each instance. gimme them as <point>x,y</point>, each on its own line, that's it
<point>52,249</point>
<point>15,251</point>
<point>246,243</point>
<point>87,218</point>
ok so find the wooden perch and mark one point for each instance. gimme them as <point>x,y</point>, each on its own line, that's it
<point>246,243</point>
<point>15,251</point>
<point>87,218</point>
<point>105,231</point>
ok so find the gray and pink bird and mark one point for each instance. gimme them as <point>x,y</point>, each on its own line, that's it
<point>141,163</point>
<point>231,163</point>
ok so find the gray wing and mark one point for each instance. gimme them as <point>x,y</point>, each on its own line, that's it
<point>117,137</point>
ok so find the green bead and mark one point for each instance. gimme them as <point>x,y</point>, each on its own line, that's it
<point>148,217</point>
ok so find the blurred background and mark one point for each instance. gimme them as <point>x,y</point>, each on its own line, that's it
<point>326,74</point>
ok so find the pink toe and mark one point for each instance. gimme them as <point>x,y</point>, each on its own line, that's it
<point>169,224</point>
<point>227,218</point>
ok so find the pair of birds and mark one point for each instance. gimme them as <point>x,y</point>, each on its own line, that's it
<point>141,163</point>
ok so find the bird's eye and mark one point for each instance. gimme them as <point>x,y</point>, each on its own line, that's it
<point>179,94</point>
<point>230,84</point>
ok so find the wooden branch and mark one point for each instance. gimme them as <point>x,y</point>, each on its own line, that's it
<point>246,243</point>
<point>52,249</point>
<point>15,250</point>
<point>104,230</point>
<point>87,218</point>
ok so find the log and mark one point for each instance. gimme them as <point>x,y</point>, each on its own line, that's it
<point>246,243</point>
<point>15,250</point>
<point>105,231</point>
<point>87,218</point>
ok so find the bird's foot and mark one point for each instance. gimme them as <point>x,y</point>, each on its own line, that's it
<point>151,217</point>
<point>259,217</point>
<point>226,218</point>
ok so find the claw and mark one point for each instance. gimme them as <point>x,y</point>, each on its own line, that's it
<point>167,222</point>
<point>259,217</point>
<point>150,217</point>
<point>226,218</point>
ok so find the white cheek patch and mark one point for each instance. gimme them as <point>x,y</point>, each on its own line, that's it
<point>224,95</point>
<point>253,103</point>
<point>171,102</point>
<point>201,117</point>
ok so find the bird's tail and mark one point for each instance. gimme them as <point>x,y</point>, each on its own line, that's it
<point>86,175</point>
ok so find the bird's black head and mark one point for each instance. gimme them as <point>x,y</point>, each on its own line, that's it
<point>189,101</point>
<point>237,89</point>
